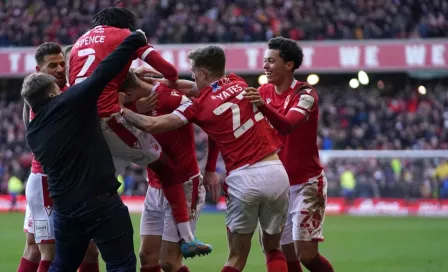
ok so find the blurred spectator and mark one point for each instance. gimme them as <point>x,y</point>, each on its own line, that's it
<point>29,23</point>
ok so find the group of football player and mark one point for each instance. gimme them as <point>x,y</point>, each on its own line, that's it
<point>266,137</point>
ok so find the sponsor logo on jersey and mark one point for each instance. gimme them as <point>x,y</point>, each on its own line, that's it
<point>215,86</point>
<point>306,101</point>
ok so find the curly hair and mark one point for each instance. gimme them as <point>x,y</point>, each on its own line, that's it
<point>289,50</point>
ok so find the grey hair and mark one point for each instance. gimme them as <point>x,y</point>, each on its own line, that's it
<point>36,89</point>
<point>210,57</point>
<point>67,52</point>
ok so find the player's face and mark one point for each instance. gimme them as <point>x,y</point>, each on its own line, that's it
<point>275,67</point>
<point>54,65</point>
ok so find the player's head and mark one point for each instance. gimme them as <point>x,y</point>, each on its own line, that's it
<point>207,64</point>
<point>38,89</point>
<point>115,17</point>
<point>131,82</point>
<point>49,60</point>
<point>281,59</point>
<point>67,51</point>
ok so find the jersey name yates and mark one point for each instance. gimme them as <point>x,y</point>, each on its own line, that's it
<point>235,89</point>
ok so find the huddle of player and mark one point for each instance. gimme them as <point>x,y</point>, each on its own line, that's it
<point>266,136</point>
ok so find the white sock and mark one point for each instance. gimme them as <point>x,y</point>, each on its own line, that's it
<point>185,231</point>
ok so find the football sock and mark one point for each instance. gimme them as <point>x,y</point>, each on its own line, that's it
<point>229,269</point>
<point>27,266</point>
<point>319,264</point>
<point>276,261</point>
<point>294,266</point>
<point>89,267</point>
<point>44,266</point>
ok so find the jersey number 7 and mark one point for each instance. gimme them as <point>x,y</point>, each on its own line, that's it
<point>239,129</point>
<point>90,53</point>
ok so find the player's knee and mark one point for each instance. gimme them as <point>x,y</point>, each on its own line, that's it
<point>148,258</point>
<point>47,251</point>
<point>307,251</point>
<point>31,252</point>
<point>290,252</point>
<point>168,266</point>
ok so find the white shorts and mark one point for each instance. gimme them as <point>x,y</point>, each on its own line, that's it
<point>28,225</point>
<point>306,211</point>
<point>129,144</point>
<point>157,218</point>
<point>259,192</point>
<point>39,209</point>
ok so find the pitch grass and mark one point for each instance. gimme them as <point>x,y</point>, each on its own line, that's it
<point>353,244</point>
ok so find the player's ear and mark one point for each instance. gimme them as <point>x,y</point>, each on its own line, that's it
<point>37,68</point>
<point>290,65</point>
<point>204,72</point>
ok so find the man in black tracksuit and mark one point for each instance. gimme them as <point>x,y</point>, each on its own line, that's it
<point>66,138</point>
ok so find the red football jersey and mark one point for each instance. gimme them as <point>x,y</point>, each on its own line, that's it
<point>36,167</point>
<point>179,144</point>
<point>240,131</point>
<point>300,154</point>
<point>88,52</point>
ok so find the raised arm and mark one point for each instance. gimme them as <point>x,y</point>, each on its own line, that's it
<point>149,55</point>
<point>152,125</point>
<point>108,69</point>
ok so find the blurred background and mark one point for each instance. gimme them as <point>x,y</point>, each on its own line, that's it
<point>380,69</point>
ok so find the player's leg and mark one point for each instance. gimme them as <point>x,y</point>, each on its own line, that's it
<point>274,184</point>
<point>286,241</point>
<point>31,254</point>
<point>308,217</point>
<point>151,230</point>
<point>172,252</point>
<point>243,197</point>
<point>129,143</point>
<point>109,224</point>
<point>41,207</point>
<point>90,262</point>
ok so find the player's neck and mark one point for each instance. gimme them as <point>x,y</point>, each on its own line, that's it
<point>284,86</point>
<point>214,79</point>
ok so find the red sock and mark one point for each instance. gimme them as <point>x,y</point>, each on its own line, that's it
<point>44,266</point>
<point>176,198</point>
<point>151,269</point>
<point>183,269</point>
<point>27,266</point>
<point>89,267</point>
<point>276,261</point>
<point>294,266</point>
<point>319,264</point>
<point>229,269</point>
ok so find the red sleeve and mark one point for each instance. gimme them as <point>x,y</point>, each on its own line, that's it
<point>283,124</point>
<point>153,58</point>
<point>188,111</point>
<point>212,157</point>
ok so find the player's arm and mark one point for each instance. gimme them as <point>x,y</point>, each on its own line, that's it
<point>284,124</point>
<point>187,87</point>
<point>212,157</point>
<point>108,69</point>
<point>26,114</point>
<point>150,124</point>
<point>149,55</point>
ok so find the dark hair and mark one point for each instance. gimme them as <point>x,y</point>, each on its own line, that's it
<point>45,49</point>
<point>210,57</point>
<point>289,50</point>
<point>129,82</point>
<point>115,17</point>
<point>36,89</point>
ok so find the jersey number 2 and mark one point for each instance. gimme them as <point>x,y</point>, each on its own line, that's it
<point>90,53</point>
<point>239,129</point>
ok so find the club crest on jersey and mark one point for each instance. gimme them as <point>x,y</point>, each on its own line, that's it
<point>215,86</point>
<point>268,101</point>
<point>286,101</point>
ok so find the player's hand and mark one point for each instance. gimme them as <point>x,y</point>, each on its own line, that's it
<point>146,104</point>
<point>212,185</point>
<point>144,71</point>
<point>253,96</point>
<point>143,33</point>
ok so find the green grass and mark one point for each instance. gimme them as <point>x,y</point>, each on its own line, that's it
<point>353,244</point>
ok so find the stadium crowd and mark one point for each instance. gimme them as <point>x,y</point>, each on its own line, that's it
<point>350,119</point>
<point>29,23</point>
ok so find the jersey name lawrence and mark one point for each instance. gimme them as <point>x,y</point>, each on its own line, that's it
<point>240,131</point>
<point>300,154</point>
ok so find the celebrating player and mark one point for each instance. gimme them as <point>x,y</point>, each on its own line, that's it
<point>39,207</point>
<point>127,143</point>
<point>157,228</point>
<point>292,109</point>
<point>257,183</point>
